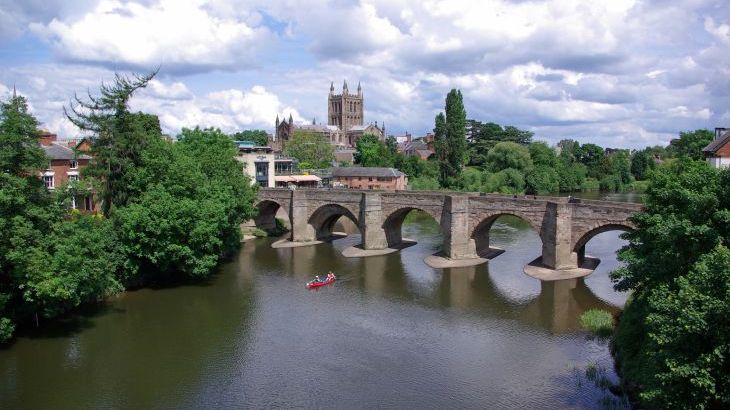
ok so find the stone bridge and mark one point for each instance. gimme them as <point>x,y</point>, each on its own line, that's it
<point>564,225</point>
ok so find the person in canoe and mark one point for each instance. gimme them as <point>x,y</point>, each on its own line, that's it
<point>317,279</point>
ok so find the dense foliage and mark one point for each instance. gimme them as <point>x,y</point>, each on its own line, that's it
<point>371,152</point>
<point>672,341</point>
<point>258,137</point>
<point>311,149</point>
<point>450,140</point>
<point>172,210</point>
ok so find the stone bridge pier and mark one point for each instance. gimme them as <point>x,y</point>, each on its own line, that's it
<point>564,225</point>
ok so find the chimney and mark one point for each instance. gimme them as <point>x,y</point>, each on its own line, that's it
<point>719,132</point>
<point>47,138</point>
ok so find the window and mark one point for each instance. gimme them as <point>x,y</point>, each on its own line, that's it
<point>370,179</point>
<point>73,178</point>
<point>48,180</point>
<point>370,187</point>
<point>73,164</point>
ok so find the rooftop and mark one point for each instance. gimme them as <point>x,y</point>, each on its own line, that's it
<point>57,151</point>
<point>365,172</point>
<point>717,143</point>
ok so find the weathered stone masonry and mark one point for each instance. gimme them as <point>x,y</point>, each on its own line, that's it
<point>564,225</point>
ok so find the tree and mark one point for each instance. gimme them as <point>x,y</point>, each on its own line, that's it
<point>509,155</point>
<point>119,139</point>
<point>642,162</point>
<point>542,180</point>
<point>542,154</point>
<point>672,336</point>
<point>450,139</point>
<point>371,152</point>
<point>484,136</point>
<point>591,155</point>
<point>690,144</point>
<point>258,137</point>
<point>312,150</point>
<point>19,150</point>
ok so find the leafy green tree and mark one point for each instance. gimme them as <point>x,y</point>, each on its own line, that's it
<point>542,180</point>
<point>259,137</point>
<point>484,136</point>
<point>507,181</point>
<point>312,150</point>
<point>424,183</point>
<point>371,152</point>
<point>450,139</point>
<point>509,155</point>
<point>542,154</point>
<point>392,144</point>
<point>119,139</point>
<point>27,209</point>
<point>642,162</point>
<point>671,339</point>
<point>591,155</point>
<point>19,150</point>
<point>690,144</point>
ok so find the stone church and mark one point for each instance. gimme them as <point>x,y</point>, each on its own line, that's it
<point>345,121</point>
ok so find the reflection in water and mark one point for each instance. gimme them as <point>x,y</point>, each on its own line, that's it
<point>391,332</point>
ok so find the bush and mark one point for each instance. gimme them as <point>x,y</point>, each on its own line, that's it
<point>611,183</point>
<point>425,184</point>
<point>6,329</point>
<point>542,180</point>
<point>259,233</point>
<point>597,321</point>
<point>590,184</point>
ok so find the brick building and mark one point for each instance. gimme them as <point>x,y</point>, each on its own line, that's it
<point>369,178</point>
<point>65,166</point>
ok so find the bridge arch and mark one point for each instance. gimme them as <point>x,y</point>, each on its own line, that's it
<point>579,246</point>
<point>480,234</point>
<point>393,223</point>
<point>266,214</point>
<point>323,219</point>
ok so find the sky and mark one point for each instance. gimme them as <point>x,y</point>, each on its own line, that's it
<point>618,73</point>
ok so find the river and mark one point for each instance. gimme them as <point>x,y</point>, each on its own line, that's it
<point>390,333</point>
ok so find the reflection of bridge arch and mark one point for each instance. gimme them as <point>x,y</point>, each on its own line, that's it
<point>323,219</point>
<point>393,224</point>
<point>579,245</point>
<point>480,233</point>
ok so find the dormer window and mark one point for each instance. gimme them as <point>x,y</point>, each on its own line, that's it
<point>73,164</point>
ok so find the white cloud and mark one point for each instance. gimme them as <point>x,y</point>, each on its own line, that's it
<point>178,35</point>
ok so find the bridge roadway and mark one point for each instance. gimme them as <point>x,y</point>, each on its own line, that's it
<point>564,225</point>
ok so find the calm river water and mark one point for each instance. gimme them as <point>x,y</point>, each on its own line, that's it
<point>391,333</point>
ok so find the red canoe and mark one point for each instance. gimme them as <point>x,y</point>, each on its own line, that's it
<point>317,283</point>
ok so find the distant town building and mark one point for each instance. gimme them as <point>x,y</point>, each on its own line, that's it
<point>65,166</point>
<point>368,178</point>
<point>258,163</point>
<point>717,152</point>
<point>418,148</point>
<point>297,181</point>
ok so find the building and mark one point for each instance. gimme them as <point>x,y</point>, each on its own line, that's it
<point>357,131</point>
<point>418,148</point>
<point>64,166</point>
<point>345,122</point>
<point>369,178</point>
<point>258,163</point>
<point>717,153</point>
<point>298,181</point>
<point>345,110</point>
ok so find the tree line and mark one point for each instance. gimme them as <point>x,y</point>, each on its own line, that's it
<point>169,212</point>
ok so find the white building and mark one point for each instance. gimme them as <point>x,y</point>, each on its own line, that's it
<point>258,163</point>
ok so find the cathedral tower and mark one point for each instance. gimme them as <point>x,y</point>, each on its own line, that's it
<point>345,110</point>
